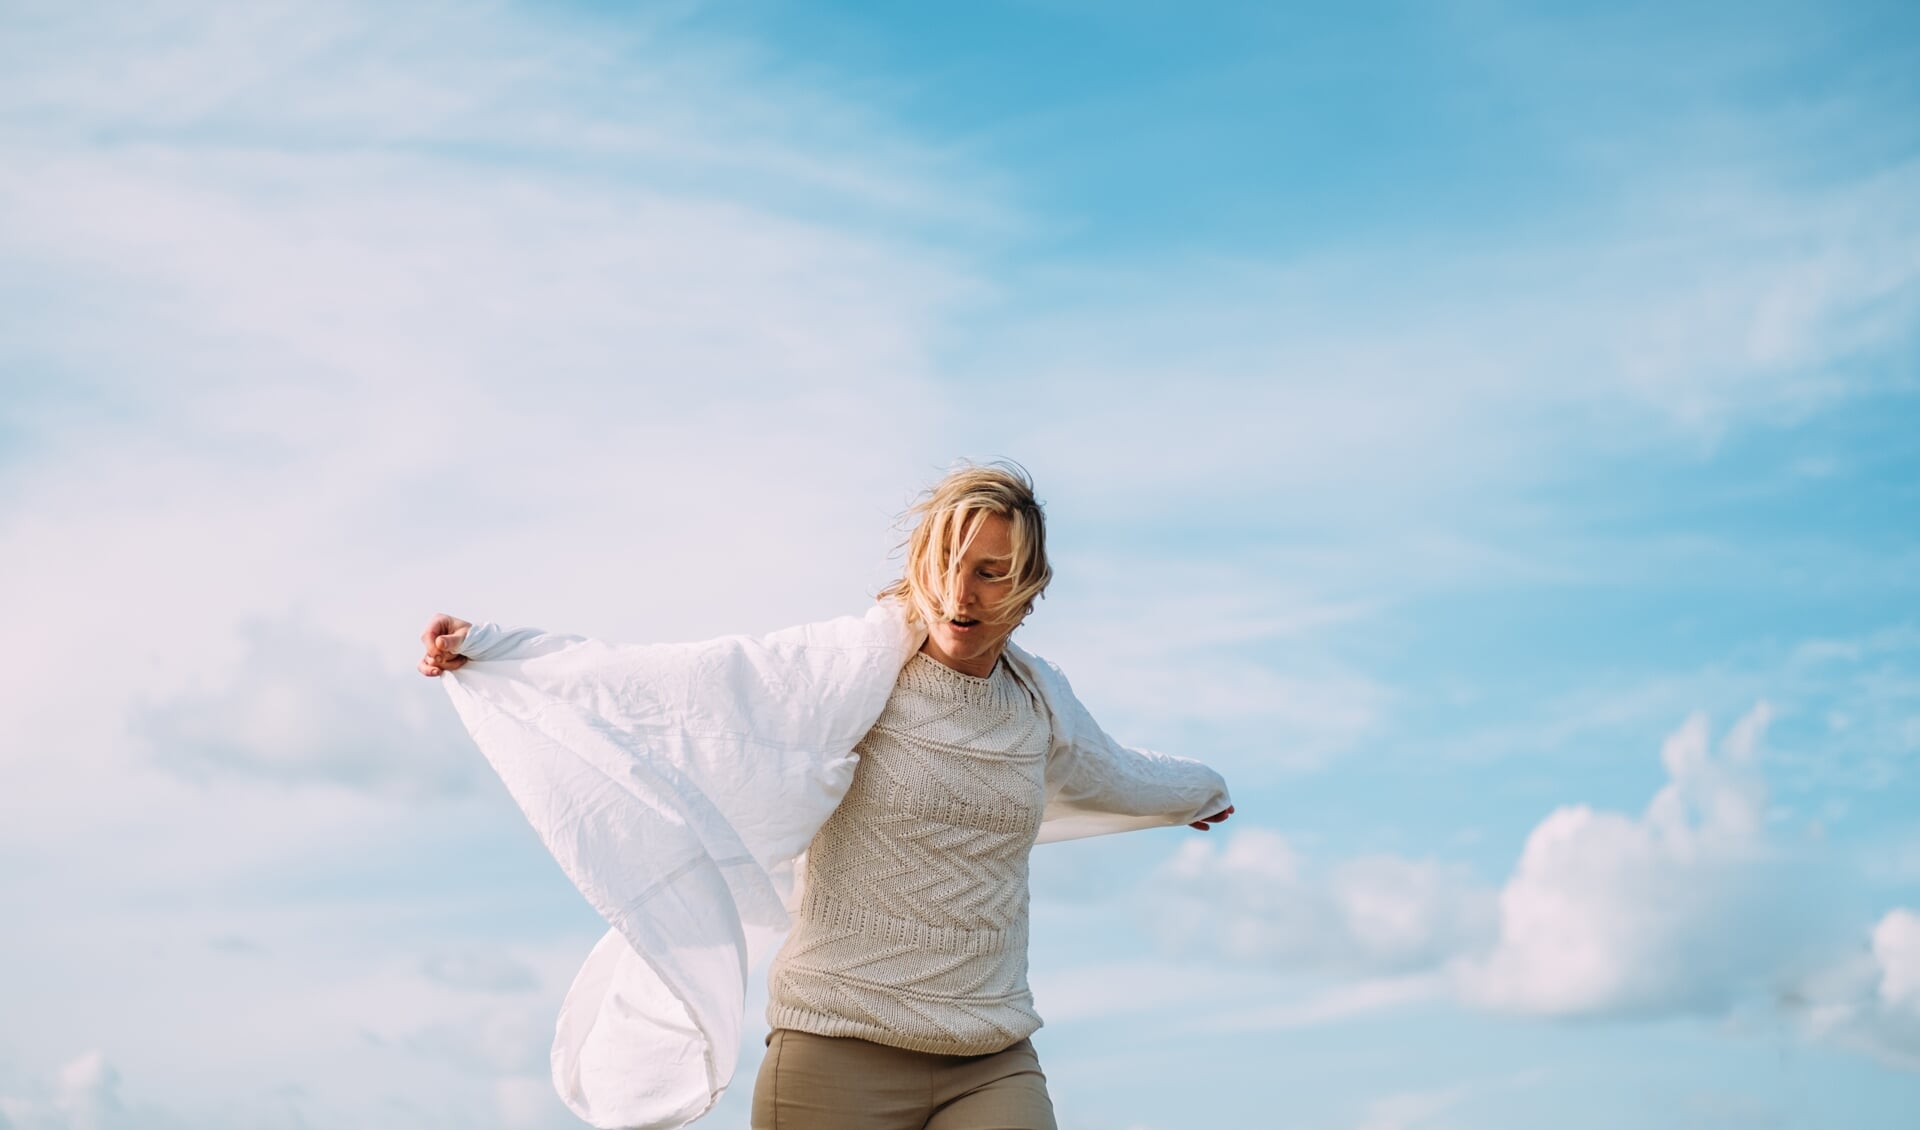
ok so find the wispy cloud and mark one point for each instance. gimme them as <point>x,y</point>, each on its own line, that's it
<point>1411,1110</point>
<point>329,320</point>
<point>1402,383</point>
<point>484,971</point>
<point>329,716</point>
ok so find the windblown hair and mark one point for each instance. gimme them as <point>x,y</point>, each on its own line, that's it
<point>947,517</point>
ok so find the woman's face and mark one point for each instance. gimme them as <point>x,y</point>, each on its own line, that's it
<point>971,642</point>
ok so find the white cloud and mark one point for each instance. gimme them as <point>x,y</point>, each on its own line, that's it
<point>350,384</point>
<point>1423,394</point>
<point>1330,1005</point>
<point>491,1044</point>
<point>645,92</point>
<point>1869,1000</point>
<point>1896,948</point>
<point>1851,703</point>
<point>526,1103</point>
<point>1080,990</point>
<point>83,1094</point>
<point>1253,899</point>
<point>486,971</point>
<point>1688,907</point>
<point>382,1041</point>
<point>1411,1110</point>
<point>1210,655</point>
<point>302,706</point>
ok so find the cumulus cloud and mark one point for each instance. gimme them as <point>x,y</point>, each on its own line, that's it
<point>1255,899</point>
<point>84,1094</point>
<point>1688,906</point>
<point>1869,1000</point>
<point>1896,949</point>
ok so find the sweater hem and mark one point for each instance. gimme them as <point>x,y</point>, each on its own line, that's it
<point>818,1025</point>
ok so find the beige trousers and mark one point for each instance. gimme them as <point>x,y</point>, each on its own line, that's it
<point>810,1082</point>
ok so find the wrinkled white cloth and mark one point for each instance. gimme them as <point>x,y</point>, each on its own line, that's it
<point>676,784</point>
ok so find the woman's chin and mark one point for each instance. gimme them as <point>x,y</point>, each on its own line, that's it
<point>965,644</point>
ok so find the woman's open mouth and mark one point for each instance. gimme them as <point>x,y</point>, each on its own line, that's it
<point>962,622</point>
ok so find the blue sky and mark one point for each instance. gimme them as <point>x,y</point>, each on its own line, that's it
<point>1484,432</point>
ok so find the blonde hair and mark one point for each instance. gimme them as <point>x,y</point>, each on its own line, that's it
<point>946,519</point>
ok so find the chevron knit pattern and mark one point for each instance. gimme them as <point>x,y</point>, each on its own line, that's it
<point>912,929</point>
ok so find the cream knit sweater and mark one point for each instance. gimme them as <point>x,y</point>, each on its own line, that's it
<point>912,929</point>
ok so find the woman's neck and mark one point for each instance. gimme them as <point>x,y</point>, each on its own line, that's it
<point>978,666</point>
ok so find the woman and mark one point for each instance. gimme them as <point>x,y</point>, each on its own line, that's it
<point>916,756</point>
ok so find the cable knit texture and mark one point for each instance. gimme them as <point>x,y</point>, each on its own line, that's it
<point>912,928</point>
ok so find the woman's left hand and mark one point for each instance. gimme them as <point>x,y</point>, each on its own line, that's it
<point>1206,823</point>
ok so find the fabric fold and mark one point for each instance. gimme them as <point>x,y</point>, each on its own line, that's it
<point>676,784</point>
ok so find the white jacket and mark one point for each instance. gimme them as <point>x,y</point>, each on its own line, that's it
<point>677,785</point>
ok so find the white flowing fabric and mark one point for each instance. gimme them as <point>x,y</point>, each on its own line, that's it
<point>676,785</point>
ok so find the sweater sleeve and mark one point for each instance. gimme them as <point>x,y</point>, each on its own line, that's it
<point>1096,786</point>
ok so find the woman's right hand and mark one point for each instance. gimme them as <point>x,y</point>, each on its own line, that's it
<point>442,639</point>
